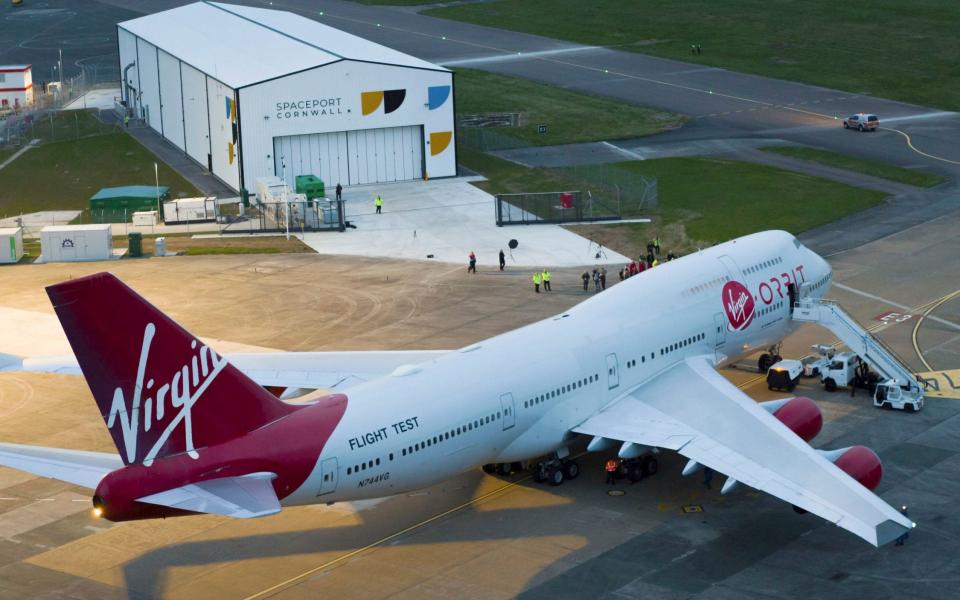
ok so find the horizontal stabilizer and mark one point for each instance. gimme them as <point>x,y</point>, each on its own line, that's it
<point>243,497</point>
<point>73,466</point>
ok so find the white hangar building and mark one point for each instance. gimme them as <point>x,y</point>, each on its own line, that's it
<point>251,92</point>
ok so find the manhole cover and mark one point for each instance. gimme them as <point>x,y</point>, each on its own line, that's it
<point>692,508</point>
<point>616,493</point>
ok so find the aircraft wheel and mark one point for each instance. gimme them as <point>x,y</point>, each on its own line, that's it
<point>571,470</point>
<point>650,466</point>
<point>555,477</point>
<point>538,475</point>
<point>635,472</point>
<point>830,385</point>
<point>505,469</point>
<point>517,467</point>
<point>490,469</point>
<point>775,359</point>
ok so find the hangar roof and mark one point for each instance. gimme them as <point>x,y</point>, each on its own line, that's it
<point>240,45</point>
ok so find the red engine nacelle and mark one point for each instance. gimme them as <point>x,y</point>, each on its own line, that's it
<point>801,415</point>
<point>858,462</point>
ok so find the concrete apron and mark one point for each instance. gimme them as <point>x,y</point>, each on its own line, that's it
<point>449,218</point>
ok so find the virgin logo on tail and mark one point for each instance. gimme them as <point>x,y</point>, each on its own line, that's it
<point>738,304</point>
<point>182,391</point>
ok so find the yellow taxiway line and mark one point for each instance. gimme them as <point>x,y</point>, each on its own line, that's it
<point>285,584</point>
<point>916,327</point>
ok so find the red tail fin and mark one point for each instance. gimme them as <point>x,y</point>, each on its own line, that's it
<point>160,390</point>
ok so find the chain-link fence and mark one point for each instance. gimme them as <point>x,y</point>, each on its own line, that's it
<point>296,217</point>
<point>607,191</point>
<point>552,207</point>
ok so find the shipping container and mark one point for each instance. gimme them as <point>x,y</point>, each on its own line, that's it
<point>11,244</point>
<point>72,243</point>
<point>190,210</point>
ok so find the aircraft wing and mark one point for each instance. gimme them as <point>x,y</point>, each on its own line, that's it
<point>73,466</point>
<point>244,497</point>
<point>692,409</point>
<point>308,370</point>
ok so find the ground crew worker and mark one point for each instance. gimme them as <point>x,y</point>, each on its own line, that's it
<point>503,260</point>
<point>611,469</point>
<point>906,534</point>
<point>654,263</point>
<point>378,202</point>
<point>586,280</point>
<point>656,244</point>
<point>126,120</point>
<point>472,268</point>
<point>339,191</point>
<point>546,281</point>
<point>537,278</point>
<point>603,278</point>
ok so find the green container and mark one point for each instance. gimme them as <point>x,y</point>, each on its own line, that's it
<point>135,239</point>
<point>311,185</point>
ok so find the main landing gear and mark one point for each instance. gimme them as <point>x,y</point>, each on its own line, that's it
<point>556,470</point>
<point>503,469</point>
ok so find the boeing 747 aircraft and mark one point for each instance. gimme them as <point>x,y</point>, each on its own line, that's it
<point>198,432</point>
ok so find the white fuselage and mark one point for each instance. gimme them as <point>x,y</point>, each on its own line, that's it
<point>518,395</point>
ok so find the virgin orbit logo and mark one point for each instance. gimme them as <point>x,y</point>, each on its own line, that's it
<point>184,388</point>
<point>738,304</point>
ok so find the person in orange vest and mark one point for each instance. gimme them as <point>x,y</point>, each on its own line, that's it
<point>611,469</point>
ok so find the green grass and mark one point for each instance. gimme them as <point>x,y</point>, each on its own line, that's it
<point>67,125</point>
<point>888,48</point>
<point>701,200</point>
<point>722,199</point>
<point>569,116</point>
<point>396,2</point>
<point>63,175</point>
<point>867,167</point>
<point>207,250</point>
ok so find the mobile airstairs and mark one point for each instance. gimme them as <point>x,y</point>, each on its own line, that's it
<point>898,386</point>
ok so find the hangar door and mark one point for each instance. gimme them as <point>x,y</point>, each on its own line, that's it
<point>352,157</point>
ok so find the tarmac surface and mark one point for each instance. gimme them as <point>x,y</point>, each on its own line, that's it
<point>477,536</point>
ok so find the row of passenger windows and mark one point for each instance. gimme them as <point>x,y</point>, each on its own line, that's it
<point>706,286</point>
<point>764,265</point>
<point>682,343</point>
<point>431,441</point>
<point>769,309</point>
<point>561,390</point>
<point>822,282</point>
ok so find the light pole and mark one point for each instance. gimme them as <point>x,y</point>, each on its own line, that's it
<point>156,175</point>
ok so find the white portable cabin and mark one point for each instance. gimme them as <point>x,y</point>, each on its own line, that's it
<point>73,243</point>
<point>11,244</point>
<point>190,210</point>
<point>145,218</point>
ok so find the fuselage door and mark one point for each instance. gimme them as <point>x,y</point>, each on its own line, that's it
<point>720,325</point>
<point>328,476</point>
<point>613,371</point>
<point>509,411</point>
